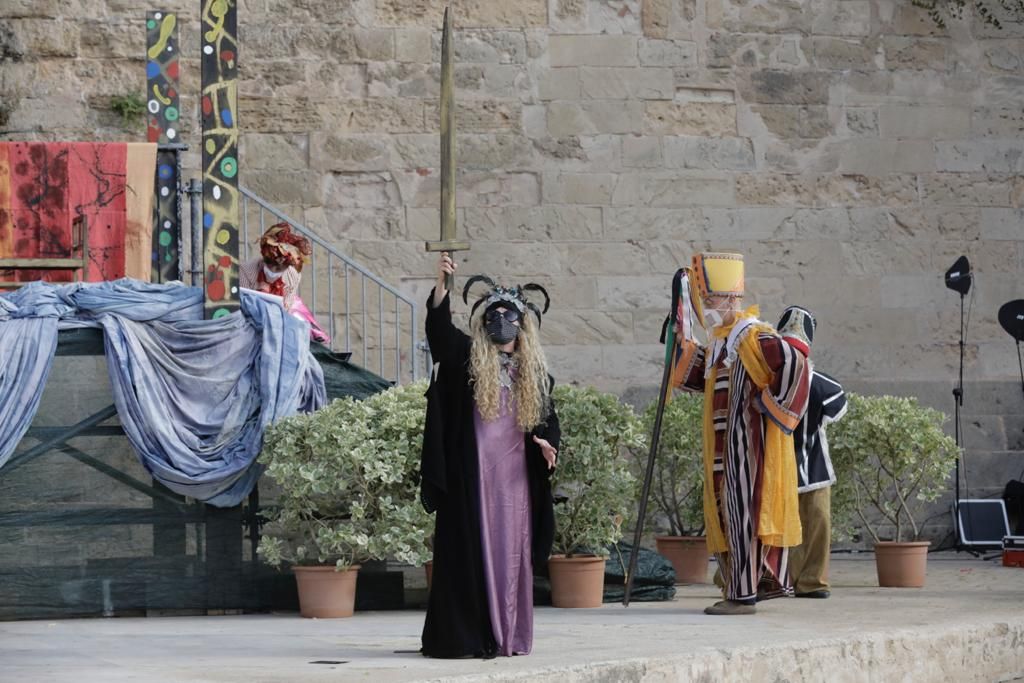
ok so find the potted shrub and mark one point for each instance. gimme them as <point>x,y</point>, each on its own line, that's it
<point>677,489</point>
<point>348,475</point>
<point>892,459</point>
<point>594,491</point>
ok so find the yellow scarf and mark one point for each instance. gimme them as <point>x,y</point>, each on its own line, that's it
<point>779,519</point>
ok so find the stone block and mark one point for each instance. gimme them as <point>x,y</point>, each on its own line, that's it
<point>735,154</point>
<point>624,83</point>
<point>607,258</point>
<point>878,258</point>
<point>640,151</point>
<point>579,188</point>
<point>36,39</point>
<point>359,189</point>
<point>279,186</point>
<point>771,86</point>
<point>965,189</point>
<point>781,120</point>
<point>344,223</point>
<point>689,118</point>
<point>568,16</point>
<point>492,151</point>
<point>413,45</point>
<point>655,16</point>
<point>862,121</point>
<point>348,153</point>
<point>924,123</point>
<point>597,50</point>
<point>581,153</point>
<point>846,18</point>
<point>668,53</point>
<point>824,224</point>
<point>276,115</point>
<point>543,224</point>
<point>288,151</point>
<point>845,53</point>
<point>517,261</point>
<point>402,80</point>
<point>997,122</point>
<point>274,78</point>
<point>343,81</point>
<point>480,115</point>
<point>374,115</point>
<point>484,46</point>
<point>670,190</point>
<point>559,84</point>
<point>764,16</point>
<point>571,362</point>
<point>596,116</point>
<point>660,224</point>
<point>989,156</point>
<point>1002,224</point>
<point>880,157</point>
<point>927,223</point>
<point>109,39</point>
<point>914,53</point>
<point>470,14</point>
<point>826,190</point>
<point>733,224</point>
<point>613,18</point>
<point>1002,56</point>
<point>422,188</point>
<point>599,328</point>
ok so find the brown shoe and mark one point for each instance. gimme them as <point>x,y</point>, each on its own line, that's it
<point>728,607</point>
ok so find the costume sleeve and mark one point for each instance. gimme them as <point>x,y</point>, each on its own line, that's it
<point>833,405</point>
<point>688,366</point>
<point>784,399</point>
<point>448,344</point>
<point>550,430</point>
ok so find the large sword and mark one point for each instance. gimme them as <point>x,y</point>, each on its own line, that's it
<point>447,242</point>
<point>666,376</point>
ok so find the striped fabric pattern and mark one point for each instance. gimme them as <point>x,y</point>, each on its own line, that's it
<point>740,411</point>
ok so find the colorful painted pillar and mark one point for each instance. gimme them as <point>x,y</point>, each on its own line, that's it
<point>219,105</point>
<point>162,128</point>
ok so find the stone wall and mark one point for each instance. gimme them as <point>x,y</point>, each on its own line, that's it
<point>851,150</point>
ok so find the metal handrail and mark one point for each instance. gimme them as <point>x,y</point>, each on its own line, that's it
<point>414,347</point>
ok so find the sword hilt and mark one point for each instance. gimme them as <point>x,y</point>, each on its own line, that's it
<point>451,246</point>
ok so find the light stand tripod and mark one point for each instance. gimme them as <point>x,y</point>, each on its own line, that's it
<point>1011,317</point>
<point>958,278</point>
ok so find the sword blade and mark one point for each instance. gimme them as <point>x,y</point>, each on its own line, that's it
<point>447,132</point>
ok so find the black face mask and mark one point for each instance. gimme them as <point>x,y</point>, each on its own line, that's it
<point>500,327</point>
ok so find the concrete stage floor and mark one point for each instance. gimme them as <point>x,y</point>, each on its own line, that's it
<point>966,625</point>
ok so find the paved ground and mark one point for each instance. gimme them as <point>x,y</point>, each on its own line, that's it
<point>971,613</point>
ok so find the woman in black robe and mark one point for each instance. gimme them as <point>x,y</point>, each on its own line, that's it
<point>464,601</point>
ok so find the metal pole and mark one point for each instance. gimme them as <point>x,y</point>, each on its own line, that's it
<point>330,292</point>
<point>398,342</point>
<point>195,191</point>
<point>415,351</point>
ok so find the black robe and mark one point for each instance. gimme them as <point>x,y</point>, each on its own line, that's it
<point>458,620</point>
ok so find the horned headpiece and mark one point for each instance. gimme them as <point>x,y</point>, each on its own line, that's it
<point>514,297</point>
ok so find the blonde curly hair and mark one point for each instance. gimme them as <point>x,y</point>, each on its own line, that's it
<point>530,388</point>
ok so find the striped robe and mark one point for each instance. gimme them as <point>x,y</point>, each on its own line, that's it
<point>741,484</point>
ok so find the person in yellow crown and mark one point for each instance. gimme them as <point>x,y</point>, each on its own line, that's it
<point>755,387</point>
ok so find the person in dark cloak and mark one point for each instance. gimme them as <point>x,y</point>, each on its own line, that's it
<point>489,447</point>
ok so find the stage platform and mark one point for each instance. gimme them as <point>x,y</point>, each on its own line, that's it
<point>966,625</point>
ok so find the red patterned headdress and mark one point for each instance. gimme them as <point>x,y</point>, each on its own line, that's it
<point>279,243</point>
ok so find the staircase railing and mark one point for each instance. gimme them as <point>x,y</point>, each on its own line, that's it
<point>378,325</point>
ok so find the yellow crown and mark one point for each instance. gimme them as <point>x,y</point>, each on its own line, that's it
<point>715,274</point>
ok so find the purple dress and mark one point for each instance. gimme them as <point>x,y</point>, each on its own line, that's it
<point>505,527</point>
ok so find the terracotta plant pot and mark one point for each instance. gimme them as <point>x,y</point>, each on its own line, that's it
<point>688,555</point>
<point>576,581</point>
<point>325,593</point>
<point>901,565</point>
<point>429,569</point>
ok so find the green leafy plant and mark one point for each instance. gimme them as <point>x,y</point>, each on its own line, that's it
<point>594,489</point>
<point>130,106</point>
<point>677,488</point>
<point>891,459</point>
<point>349,482</point>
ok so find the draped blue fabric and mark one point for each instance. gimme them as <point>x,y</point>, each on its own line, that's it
<point>193,395</point>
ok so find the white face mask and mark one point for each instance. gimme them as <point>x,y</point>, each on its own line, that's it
<point>713,318</point>
<point>271,275</point>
